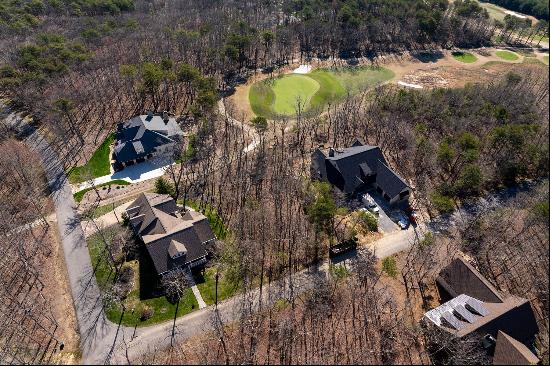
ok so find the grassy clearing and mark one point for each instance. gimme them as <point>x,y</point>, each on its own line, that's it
<point>276,98</point>
<point>464,57</point>
<point>97,166</point>
<point>140,297</point>
<point>291,89</point>
<point>545,60</point>
<point>495,12</point>
<point>207,286</point>
<point>507,55</point>
<point>78,196</point>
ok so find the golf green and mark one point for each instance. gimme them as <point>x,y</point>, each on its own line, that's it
<point>291,90</point>
<point>465,57</point>
<point>278,97</point>
<point>507,55</point>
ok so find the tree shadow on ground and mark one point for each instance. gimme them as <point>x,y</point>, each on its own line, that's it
<point>428,56</point>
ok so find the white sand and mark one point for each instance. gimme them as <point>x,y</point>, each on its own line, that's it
<point>415,86</point>
<point>303,69</point>
<point>515,14</point>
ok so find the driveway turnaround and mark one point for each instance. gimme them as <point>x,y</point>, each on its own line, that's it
<point>149,169</point>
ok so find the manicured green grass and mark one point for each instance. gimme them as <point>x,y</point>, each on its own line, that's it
<point>97,166</point>
<point>545,59</point>
<point>291,89</point>
<point>465,57</point>
<point>78,196</point>
<point>507,55</point>
<point>214,220</point>
<point>207,286</point>
<point>144,279</point>
<point>276,98</point>
<point>261,99</point>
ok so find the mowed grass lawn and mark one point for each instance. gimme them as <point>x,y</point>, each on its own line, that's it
<point>545,59</point>
<point>277,98</point>
<point>97,166</point>
<point>207,286</point>
<point>142,295</point>
<point>291,89</point>
<point>465,57</point>
<point>507,55</point>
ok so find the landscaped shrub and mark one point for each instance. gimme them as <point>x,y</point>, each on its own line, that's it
<point>389,266</point>
<point>146,313</point>
<point>162,186</point>
<point>442,203</point>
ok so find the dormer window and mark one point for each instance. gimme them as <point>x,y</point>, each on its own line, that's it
<point>176,249</point>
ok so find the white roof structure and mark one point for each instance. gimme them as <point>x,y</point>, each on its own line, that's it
<point>458,312</point>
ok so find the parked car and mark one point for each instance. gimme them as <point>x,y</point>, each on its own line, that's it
<point>370,204</point>
<point>403,223</point>
<point>343,247</point>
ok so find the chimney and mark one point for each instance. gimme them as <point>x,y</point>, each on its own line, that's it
<point>331,152</point>
<point>165,117</point>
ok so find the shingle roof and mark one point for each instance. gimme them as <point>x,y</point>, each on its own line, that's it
<point>141,135</point>
<point>351,161</point>
<point>510,314</point>
<point>510,351</point>
<point>390,182</point>
<point>460,277</point>
<point>157,220</point>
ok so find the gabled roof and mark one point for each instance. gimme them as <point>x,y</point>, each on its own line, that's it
<point>141,135</point>
<point>369,160</point>
<point>164,231</point>
<point>492,311</point>
<point>460,277</point>
<point>386,178</point>
<point>514,315</point>
<point>510,351</point>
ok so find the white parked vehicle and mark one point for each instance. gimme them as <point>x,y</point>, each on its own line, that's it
<point>370,204</point>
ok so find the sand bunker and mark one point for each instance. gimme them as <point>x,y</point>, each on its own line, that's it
<point>303,69</point>
<point>408,85</point>
<point>515,14</point>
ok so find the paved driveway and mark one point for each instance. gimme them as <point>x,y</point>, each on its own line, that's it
<point>149,169</point>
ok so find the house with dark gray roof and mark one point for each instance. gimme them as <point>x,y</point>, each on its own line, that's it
<point>358,167</point>
<point>471,304</point>
<point>144,137</point>
<point>173,239</point>
<point>510,351</point>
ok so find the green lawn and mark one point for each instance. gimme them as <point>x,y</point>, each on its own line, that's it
<point>507,55</point>
<point>105,209</point>
<point>276,98</point>
<point>207,286</point>
<point>78,196</point>
<point>213,219</point>
<point>142,294</point>
<point>465,57</point>
<point>545,59</point>
<point>97,166</point>
<point>291,89</point>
